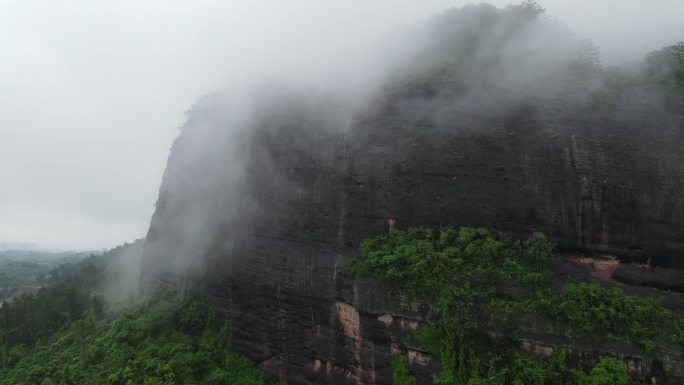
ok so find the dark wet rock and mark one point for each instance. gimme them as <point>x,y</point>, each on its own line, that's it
<point>275,212</point>
<point>658,277</point>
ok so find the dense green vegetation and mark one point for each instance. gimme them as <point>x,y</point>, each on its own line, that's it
<point>160,341</point>
<point>67,291</point>
<point>71,290</point>
<point>591,308</point>
<point>485,285</point>
<point>66,334</point>
<point>609,371</point>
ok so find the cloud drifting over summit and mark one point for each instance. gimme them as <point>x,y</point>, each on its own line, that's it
<point>92,93</point>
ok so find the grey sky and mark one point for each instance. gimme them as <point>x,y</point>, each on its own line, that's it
<point>92,92</point>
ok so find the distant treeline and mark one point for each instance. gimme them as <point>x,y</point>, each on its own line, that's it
<point>21,269</point>
<point>66,291</point>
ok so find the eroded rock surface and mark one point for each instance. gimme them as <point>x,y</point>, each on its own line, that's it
<point>267,206</point>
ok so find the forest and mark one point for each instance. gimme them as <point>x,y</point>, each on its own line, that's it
<point>21,269</point>
<point>66,334</point>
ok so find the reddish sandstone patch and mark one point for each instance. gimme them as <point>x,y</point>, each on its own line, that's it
<point>602,267</point>
<point>387,319</point>
<point>409,325</point>
<point>350,320</point>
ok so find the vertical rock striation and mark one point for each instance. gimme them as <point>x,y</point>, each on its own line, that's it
<point>276,227</point>
<point>265,197</point>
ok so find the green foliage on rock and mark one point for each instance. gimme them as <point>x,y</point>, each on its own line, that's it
<point>591,309</point>
<point>485,285</point>
<point>400,374</point>
<point>609,371</point>
<point>464,260</point>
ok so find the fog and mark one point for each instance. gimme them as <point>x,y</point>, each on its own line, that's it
<point>92,94</point>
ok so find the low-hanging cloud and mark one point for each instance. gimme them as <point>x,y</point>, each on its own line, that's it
<point>91,93</point>
<point>455,71</point>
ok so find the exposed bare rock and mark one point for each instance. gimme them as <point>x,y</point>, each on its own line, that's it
<point>267,208</point>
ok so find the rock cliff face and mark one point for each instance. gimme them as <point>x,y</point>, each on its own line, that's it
<point>277,233</point>
<point>267,201</point>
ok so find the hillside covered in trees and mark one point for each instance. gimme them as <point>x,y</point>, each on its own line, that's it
<point>67,333</point>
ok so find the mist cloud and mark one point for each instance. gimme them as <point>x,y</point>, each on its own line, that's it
<point>91,94</point>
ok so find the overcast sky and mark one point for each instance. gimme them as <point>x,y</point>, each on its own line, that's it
<point>92,92</point>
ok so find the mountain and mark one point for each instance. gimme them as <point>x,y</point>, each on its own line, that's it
<point>504,120</point>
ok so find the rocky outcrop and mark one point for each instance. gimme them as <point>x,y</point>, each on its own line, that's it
<point>267,200</point>
<point>275,245</point>
<point>319,327</point>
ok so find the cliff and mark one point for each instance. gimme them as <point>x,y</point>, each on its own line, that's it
<point>268,206</point>
<point>311,193</point>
